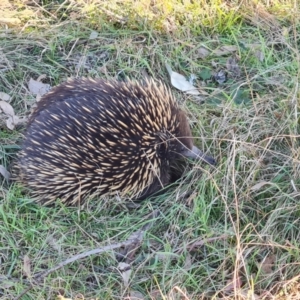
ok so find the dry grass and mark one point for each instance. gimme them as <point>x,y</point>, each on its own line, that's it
<point>226,233</point>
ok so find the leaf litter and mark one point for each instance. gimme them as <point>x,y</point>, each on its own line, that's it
<point>233,66</point>
<point>38,88</point>
<point>4,96</point>
<point>8,114</point>
<point>181,83</point>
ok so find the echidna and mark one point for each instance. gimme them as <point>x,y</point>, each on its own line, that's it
<point>90,138</point>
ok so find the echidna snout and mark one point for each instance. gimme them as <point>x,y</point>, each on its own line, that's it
<point>89,138</point>
<point>196,153</point>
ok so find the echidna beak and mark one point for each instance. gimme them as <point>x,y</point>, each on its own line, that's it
<point>196,153</point>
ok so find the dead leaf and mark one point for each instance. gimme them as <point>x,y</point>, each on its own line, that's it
<point>181,83</point>
<point>4,96</point>
<point>27,266</point>
<point>37,87</point>
<point>6,108</point>
<point>258,186</point>
<point>93,35</point>
<point>4,172</point>
<point>233,67</point>
<point>12,121</point>
<point>125,271</point>
<point>203,52</point>
<point>224,50</point>
<point>266,266</point>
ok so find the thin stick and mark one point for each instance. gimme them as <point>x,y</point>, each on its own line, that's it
<point>132,242</point>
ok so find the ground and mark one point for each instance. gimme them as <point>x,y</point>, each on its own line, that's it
<point>225,232</point>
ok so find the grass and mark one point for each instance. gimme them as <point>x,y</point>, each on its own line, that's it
<point>226,233</point>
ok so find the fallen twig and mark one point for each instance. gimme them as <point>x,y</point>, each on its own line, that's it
<point>191,246</point>
<point>132,244</point>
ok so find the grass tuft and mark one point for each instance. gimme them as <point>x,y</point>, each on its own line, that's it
<point>230,232</point>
